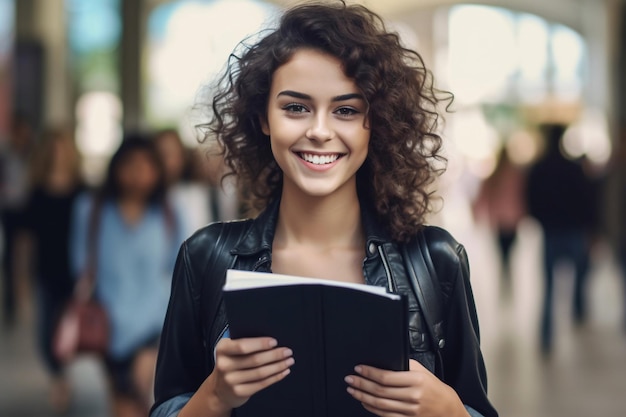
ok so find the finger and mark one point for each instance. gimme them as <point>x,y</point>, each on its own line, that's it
<point>247,376</point>
<point>385,377</point>
<point>229,363</point>
<point>249,389</point>
<point>381,391</point>
<point>382,406</point>
<point>246,346</point>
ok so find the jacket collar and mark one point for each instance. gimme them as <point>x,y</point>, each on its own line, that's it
<point>260,236</point>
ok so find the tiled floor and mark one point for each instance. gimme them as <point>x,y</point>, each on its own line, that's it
<point>585,377</point>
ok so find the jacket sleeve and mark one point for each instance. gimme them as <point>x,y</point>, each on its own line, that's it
<point>181,364</point>
<point>463,364</point>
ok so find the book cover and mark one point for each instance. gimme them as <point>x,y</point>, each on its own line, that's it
<point>330,326</point>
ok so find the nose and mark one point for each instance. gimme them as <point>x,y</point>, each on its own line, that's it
<point>320,129</point>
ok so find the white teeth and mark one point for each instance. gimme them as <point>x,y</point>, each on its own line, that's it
<point>319,159</point>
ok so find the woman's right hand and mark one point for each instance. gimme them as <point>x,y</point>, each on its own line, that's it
<point>244,367</point>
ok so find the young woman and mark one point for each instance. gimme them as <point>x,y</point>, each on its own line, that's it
<point>330,124</point>
<point>127,234</point>
<point>56,182</point>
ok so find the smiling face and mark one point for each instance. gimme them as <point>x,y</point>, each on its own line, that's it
<point>317,124</point>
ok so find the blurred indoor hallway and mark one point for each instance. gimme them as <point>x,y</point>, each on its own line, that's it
<point>585,376</point>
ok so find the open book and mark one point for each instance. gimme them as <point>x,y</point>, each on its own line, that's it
<point>330,326</point>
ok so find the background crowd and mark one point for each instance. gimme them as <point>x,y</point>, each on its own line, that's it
<point>123,233</point>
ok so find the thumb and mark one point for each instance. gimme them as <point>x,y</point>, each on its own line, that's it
<point>416,366</point>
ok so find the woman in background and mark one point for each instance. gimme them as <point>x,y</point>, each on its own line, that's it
<point>132,233</point>
<point>501,202</point>
<point>193,182</point>
<point>56,182</point>
<point>190,197</point>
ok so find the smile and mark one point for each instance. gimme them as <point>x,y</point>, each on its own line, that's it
<point>319,159</point>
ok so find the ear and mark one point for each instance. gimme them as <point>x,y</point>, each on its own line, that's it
<point>265,127</point>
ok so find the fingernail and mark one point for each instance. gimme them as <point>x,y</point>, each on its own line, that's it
<point>273,343</point>
<point>358,369</point>
<point>349,379</point>
<point>288,352</point>
<point>350,390</point>
<point>290,361</point>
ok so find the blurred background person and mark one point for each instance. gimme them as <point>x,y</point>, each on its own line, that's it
<point>501,202</point>
<point>207,170</point>
<point>174,155</point>
<point>619,165</point>
<point>56,182</point>
<point>14,155</point>
<point>560,198</point>
<point>183,190</point>
<point>193,178</point>
<point>137,234</point>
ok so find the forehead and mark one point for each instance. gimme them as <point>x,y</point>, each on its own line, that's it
<point>312,72</point>
<point>136,154</point>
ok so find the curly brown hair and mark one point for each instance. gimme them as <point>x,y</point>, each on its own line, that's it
<point>404,149</point>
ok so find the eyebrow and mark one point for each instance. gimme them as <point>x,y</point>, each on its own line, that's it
<point>303,96</point>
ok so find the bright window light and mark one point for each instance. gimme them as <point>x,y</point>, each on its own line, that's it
<point>532,42</point>
<point>7,18</point>
<point>567,49</point>
<point>589,137</point>
<point>498,55</point>
<point>98,118</point>
<point>482,52</point>
<point>189,43</point>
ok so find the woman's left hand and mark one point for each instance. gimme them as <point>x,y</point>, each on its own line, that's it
<point>416,392</point>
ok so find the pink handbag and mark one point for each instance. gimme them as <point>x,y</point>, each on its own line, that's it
<point>82,328</point>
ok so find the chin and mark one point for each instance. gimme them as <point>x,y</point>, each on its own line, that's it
<point>330,185</point>
<point>321,190</point>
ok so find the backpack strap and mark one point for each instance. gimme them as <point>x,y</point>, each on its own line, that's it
<point>425,285</point>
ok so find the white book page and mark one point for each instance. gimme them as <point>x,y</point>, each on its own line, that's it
<point>240,280</point>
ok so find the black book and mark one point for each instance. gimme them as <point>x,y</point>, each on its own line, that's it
<point>330,326</point>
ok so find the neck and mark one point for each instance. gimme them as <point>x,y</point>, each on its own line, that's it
<point>332,221</point>
<point>132,208</point>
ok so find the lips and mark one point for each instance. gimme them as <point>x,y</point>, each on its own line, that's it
<point>318,159</point>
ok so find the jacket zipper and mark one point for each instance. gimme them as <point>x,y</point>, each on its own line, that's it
<point>383,258</point>
<point>263,260</point>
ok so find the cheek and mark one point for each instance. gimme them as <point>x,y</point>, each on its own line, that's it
<point>281,138</point>
<point>360,144</point>
<point>277,147</point>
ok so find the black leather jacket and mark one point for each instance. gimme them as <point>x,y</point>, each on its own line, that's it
<point>196,319</point>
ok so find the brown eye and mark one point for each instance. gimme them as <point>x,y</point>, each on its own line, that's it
<point>295,108</point>
<point>346,111</point>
